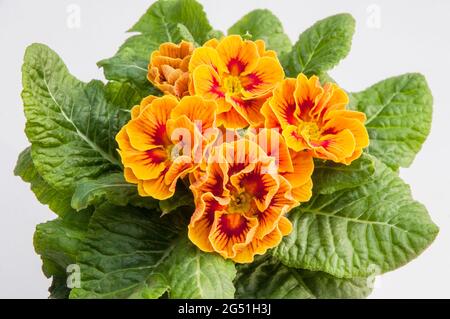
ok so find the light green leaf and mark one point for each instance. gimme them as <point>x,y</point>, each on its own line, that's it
<point>130,252</point>
<point>57,201</point>
<point>322,46</point>
<point>70,124</point>
<point>357,232</point>
<point>58,242</point>
<point>267,278</point>
<point>263,24</point>
<point>399,112</point>
<point>164,21</point>
<point>329,177</point>
<point>112,188</point>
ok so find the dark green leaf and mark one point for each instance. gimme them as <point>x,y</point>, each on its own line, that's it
<point>355,232</point>
<point>399,112</point>
<point>267,278</point>
<point>132,253</point>
<point>112,188</point>
<point>164,21</point>
<point>57,201</point>
<point>70,124</point>
<point>262,24</point>
<point>322,46</point>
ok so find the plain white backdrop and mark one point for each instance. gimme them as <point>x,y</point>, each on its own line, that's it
<point>392,37</point>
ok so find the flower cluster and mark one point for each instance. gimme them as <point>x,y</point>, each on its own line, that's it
<point>241,134</point>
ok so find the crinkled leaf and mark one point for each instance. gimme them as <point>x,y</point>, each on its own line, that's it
<point>267,278</point>
<point>322,46</point>
<point>356,232</point>
<point>164,21</point>
<point>70,124</point>
<point>57,201</point>
<point>58,242</point>
<point>263,24</point>
<point>399,112</point>
<point>112,188</point>
<point>130,252</point>
<point>329,177</point>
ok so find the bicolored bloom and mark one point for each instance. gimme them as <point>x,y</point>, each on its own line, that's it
<point>314,118</point>
<point>295,167</point>
<point>239,74</point>
<point>241,203</point>
<point>168,68</point>
<point>164,141</point>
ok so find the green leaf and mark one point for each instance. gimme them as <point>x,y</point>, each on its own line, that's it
<point>399,112</point>
<point>112,188</point>
<point>329,177</point>
<point>372,228</point>
<point>322,46</point>
<point>131,253</point>
<point>164,21</point>
<point>267,278</point>
<point>57,201</point>
<point>70,124</point>
<point>263,24</point>
<point>58,242</point>
<point>182,198</point>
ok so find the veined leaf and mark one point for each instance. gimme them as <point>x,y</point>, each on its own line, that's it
<point>329,177</point>
<point>70,124</point>
<point>112,188</point>
<point>356,232</point>
<point>263,24</point>
<point>57,201</point>
<point>131,253</point>
<point>58,242</point>
<point>399,112</point>
<point>164,21</point>
<point>267,278</point>
<point>322,46</point>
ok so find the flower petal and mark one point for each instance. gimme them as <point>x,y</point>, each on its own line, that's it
<point>206,83</point>
<point>202,220</point>
<point>273,143</point>
<point>239,56</point>
<point>207,56</point>
<point>283,103</point>
<point>263,78</point>
<point>156,188</point>
<point>250,110</point>
<point>230,233</point>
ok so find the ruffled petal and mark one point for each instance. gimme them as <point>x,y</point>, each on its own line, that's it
<point>283,103</point>
<point>207,56</point>
<point>263,78</point>
<point>238,55</point>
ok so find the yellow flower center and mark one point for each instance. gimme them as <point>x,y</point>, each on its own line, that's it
<point>309,130</point>
<point>240,203</point>
<point>233,85</point>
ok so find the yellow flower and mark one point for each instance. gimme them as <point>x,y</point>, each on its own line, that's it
<point>241,203</point>
<point>314,118</point>
<point>163,142</point>
<point>239,75</point>
<point>168,68</point>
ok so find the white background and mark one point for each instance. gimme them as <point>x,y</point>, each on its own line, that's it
<point>413,36</point>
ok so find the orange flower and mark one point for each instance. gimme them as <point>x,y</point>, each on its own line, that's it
<point>239,75</point>
<point>295,167</point>
<point>163,142</point>
<point>314,117</point>
<point>241,203</point>
<point>168,68</point>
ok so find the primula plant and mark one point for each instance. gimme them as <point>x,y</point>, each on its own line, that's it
<point>222,166</point>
